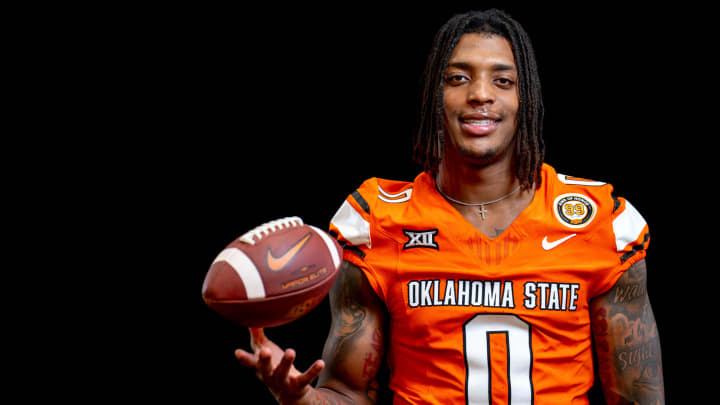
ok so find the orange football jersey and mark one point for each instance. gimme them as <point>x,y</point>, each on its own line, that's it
<point>475,320</point>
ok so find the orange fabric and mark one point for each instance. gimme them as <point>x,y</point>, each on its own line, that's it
<point>474,317</point>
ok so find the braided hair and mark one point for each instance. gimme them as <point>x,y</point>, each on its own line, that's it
<point>530,148</point>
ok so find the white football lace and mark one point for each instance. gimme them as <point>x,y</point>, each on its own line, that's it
<point>265,229</point>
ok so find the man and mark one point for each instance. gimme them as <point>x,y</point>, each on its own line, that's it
<point>484,279</point>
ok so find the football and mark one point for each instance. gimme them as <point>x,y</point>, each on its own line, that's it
<point>272,274</point>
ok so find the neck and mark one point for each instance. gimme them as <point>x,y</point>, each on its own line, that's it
<point>475,184</point>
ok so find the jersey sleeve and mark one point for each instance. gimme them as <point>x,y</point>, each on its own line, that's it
<point>353,225</point>
<point>631,240</point>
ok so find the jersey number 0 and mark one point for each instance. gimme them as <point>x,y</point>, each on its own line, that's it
<point>498,360</point>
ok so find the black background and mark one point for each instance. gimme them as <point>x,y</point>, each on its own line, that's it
<point>205,122</point>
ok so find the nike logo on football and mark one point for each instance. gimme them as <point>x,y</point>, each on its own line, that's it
<point>280,262</point>
<point>551,245</point>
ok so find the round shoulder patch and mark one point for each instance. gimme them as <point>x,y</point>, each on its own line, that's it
<point>575,210</point>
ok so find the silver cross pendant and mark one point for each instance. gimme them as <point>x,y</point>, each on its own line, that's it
<point>482,211</point>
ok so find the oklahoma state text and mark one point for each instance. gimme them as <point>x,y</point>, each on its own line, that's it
<point>544,295</point>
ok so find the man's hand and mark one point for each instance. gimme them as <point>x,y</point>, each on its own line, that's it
<point>275,368</point>
<point>353,351</point>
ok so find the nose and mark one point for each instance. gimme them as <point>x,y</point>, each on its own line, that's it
<point>481,93</point>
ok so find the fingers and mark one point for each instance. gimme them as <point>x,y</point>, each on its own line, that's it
<point>283,368</point>
<point>246,359</point>
<point>274,367</point>
<point>307,377</point>
<point>264,364</point>
<point>283,377</point>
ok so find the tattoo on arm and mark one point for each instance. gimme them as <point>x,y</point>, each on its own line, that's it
<point>372,358</point>
<point>355,347</point>
<point>348,314</point>
<point>627,341</point>
<point>326,397</point>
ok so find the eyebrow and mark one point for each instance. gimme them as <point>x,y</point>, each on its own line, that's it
<point>494,67</point>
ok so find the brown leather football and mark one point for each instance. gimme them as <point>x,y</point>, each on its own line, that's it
<point>273,274</point>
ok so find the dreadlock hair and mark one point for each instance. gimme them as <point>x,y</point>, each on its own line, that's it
<point>530,147</point>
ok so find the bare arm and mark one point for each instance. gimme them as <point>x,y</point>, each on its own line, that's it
<point>356,344</point>
<point>351,358</point>
<point>627,341</point>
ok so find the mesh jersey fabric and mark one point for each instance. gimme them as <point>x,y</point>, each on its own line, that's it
<point>475,320</point>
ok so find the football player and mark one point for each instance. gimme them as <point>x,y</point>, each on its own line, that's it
<point>486,278</point>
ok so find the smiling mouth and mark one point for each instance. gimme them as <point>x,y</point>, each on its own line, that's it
<point>478,126</point>
<point>479,122</point>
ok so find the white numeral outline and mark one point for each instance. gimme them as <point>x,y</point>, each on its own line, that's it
<point>476,342</point>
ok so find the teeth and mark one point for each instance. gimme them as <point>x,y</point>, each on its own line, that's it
<point>480,122</point>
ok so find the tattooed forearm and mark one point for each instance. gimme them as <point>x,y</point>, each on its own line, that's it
<point>319,398</point>
<point>627,342</point>
<point>355,346</point>
<point>328,397</point>
<point>636,355</point>
<point>631,288</point>
<point>348,314</point>
<point>323,396</point>
<point>372,357</point>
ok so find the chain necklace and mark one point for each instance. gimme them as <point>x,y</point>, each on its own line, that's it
<point>482,211</point>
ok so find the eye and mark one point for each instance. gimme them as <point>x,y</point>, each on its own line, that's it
<point>456,79</point>
<point>505,82</point>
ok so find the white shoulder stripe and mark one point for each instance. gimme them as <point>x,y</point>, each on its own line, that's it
<point>352,225</point>
<point>245,269</point>
<point>330,245</point>
<point>627,226</point>
<point>394,198</point>
<point>578,182</point>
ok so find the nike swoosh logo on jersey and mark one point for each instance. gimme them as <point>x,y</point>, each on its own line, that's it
<point>551,245</point>
<point>278,263</point>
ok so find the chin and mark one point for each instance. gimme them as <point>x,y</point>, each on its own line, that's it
<point>483,157</point>
<point>480,151</point>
